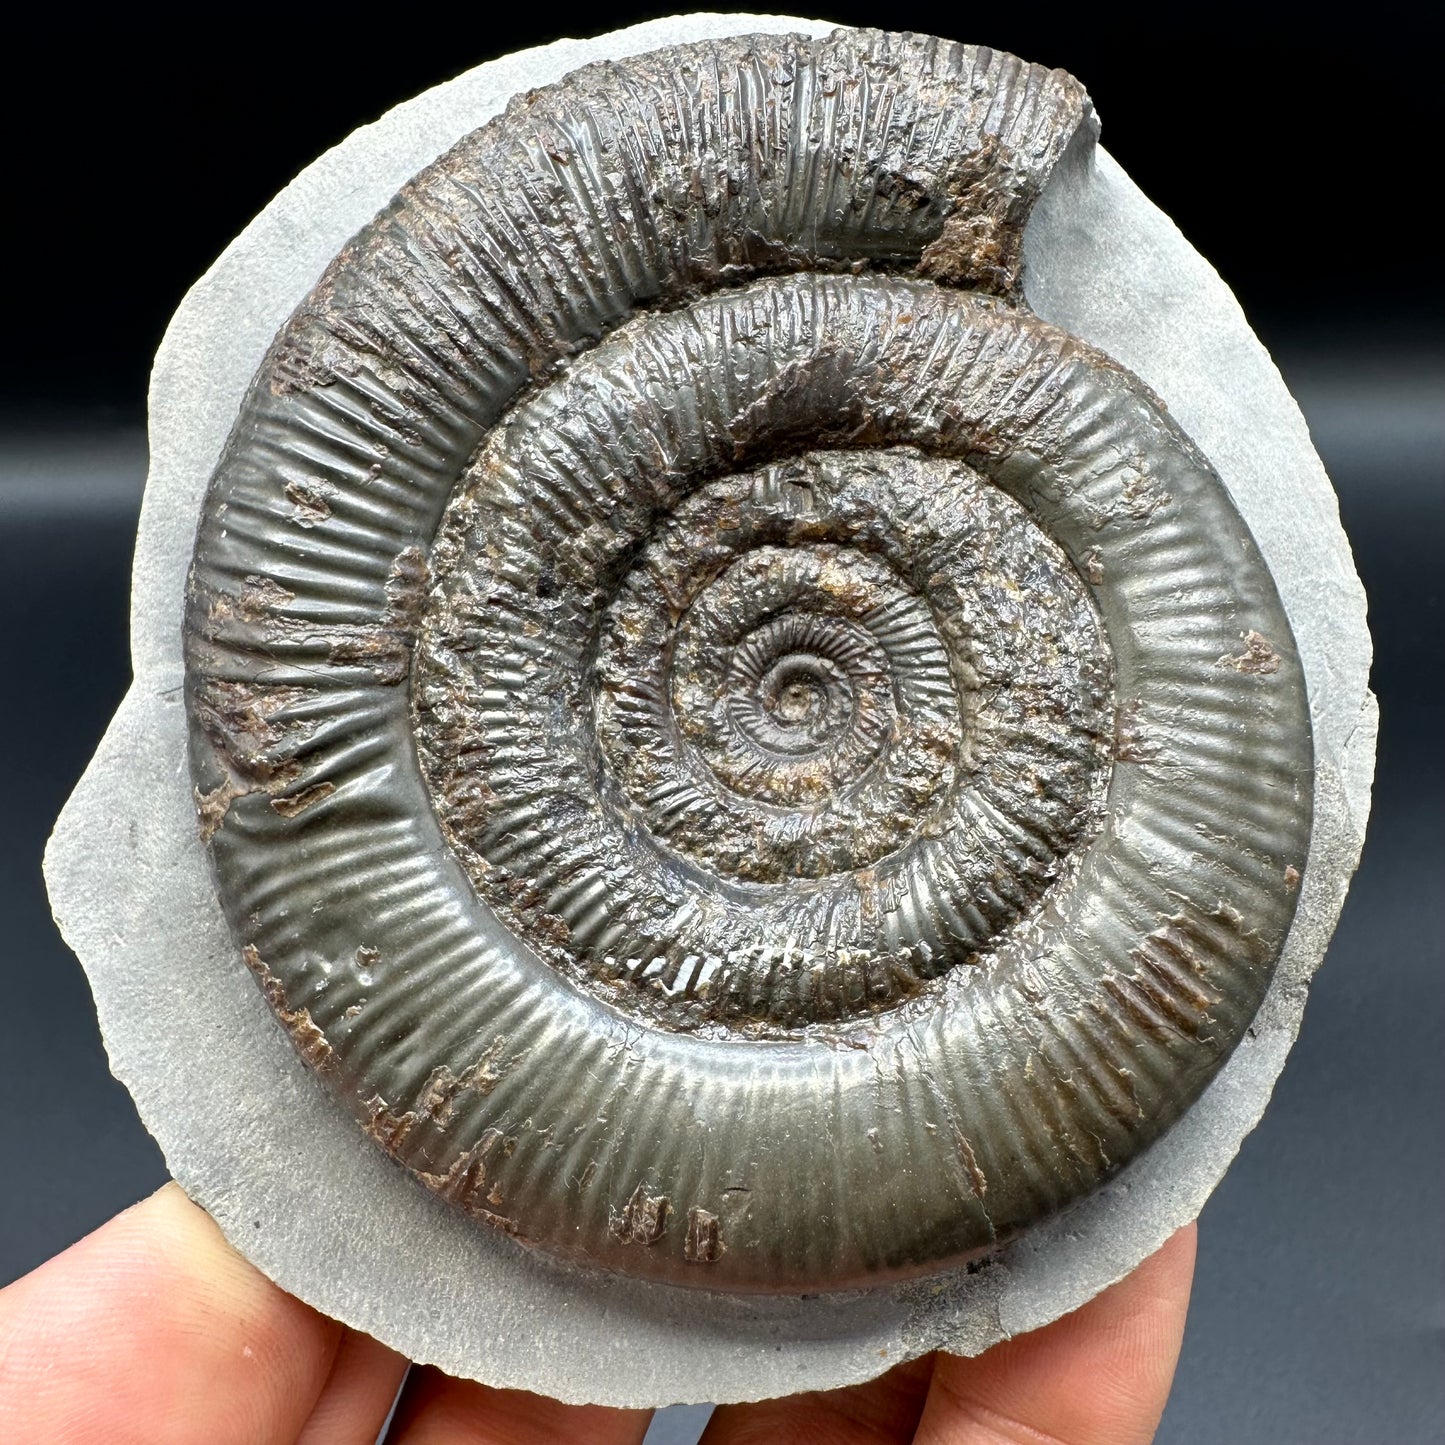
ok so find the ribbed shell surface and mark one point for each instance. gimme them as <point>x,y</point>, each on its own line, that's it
<point>742,755</point>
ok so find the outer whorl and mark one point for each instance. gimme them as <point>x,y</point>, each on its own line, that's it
<point>743,755</point>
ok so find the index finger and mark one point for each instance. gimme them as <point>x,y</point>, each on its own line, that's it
<point>1099,1376</point>
<point>153,1330</point>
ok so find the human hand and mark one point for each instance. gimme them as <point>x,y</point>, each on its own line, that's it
<point>154,1331</point>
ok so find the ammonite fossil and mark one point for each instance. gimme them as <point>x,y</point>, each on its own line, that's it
<point>744,745</point>
<point>743,755</point>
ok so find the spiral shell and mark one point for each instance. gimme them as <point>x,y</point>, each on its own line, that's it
<point>743,755</point>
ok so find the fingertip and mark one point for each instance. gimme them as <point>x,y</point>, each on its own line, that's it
<point>1098,1376</point>
<point>437,1409</point>
<point>358,1394</point>
<point>154,1329</point>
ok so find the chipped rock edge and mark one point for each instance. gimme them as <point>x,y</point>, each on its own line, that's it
<point>296,1186</point>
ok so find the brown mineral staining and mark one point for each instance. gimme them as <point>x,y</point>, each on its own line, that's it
<point>643,1219</point>
<point>310,501</point>
<point>247,725</point>
<point>1170,955</point>
<point>1141,496</point>
<point>425,1133</point>
<point>1168,990</point>
<point>310,1042</point>
<point>1291,877</point>
<point>376,649</point>
<point>253,740</point>
<point>292,805</point>
<point>1132,741</point>
<point>307,356</point>
<point>497,1221</point>
<point>390,1129</point>
<point>385,648</point>
<point>1258,658</point>
<point>464,1177</point>
<point>212,806</point>
<point>981,244</point>
<point>971,251</point>
<point>704,1242</point>
<point>1094,566</point>
<point>439,1098</point>
<point>788,714</point>
<point>466,1183</point>
<point>260,597</point>
<point>976,1179</point>
<point>406,586</point>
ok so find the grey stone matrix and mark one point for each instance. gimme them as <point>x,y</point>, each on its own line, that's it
<point>245,1124</point>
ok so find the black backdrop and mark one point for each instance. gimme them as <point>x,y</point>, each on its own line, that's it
<point>1299,150</point>
<point>1293,147</point>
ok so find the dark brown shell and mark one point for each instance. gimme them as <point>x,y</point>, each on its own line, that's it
<point>740,753</point>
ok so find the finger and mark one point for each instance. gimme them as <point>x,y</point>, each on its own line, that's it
<point>435,1409</point>
<point>883,1410</point>
<point>360,1389</point>
<point>154,1331</point>
<point>1099,1376</point>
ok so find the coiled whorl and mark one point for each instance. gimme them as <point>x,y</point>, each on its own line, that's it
<point>741,753</point>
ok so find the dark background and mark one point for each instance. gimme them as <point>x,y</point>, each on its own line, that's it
<point>1298,150</point>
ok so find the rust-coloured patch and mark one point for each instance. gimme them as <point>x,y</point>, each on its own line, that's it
<point>978,1182</point>
<point>254,741</point>
<point>292,805</point>
<point>260,597</point>
<point>704,1241</point>
<point>310,501</point>
<point>1258,658</point>
<point>643,1219</point>
<point>212,806</point>
<point>1133,743</point>
<point>310,1042</point>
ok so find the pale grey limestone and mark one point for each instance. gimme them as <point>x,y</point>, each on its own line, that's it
<point>295,1184</point>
